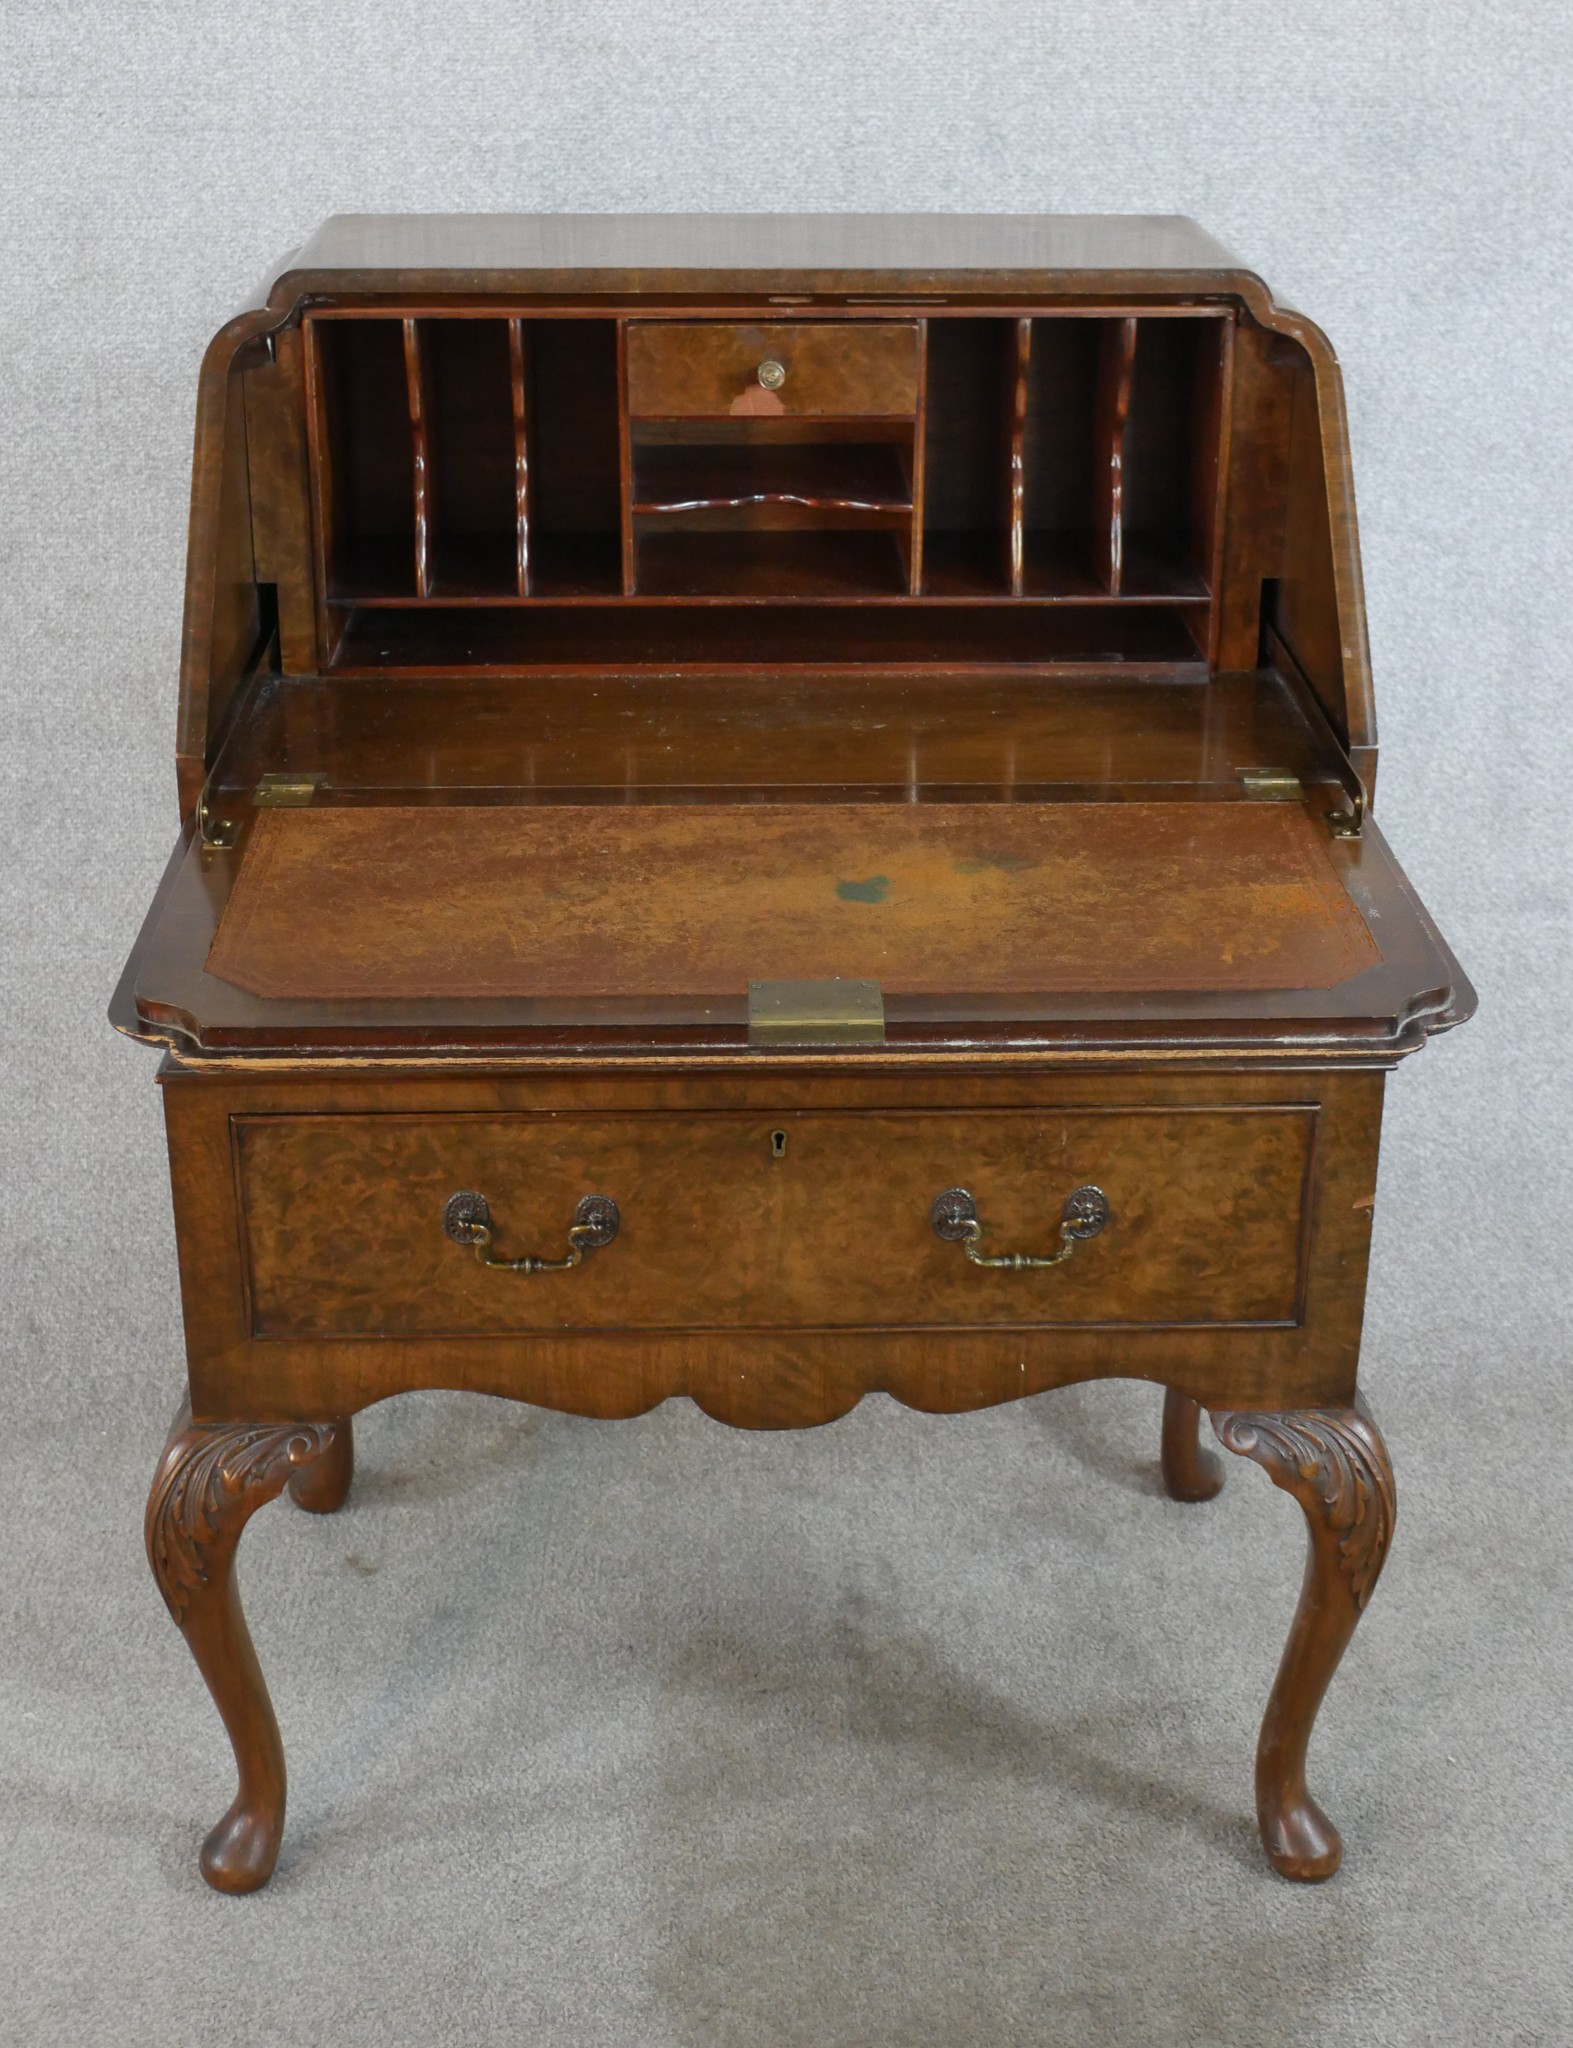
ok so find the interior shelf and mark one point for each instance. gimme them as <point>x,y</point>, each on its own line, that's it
<point>576,565</point>
<point>765,565</point>
<point>480,462</point>
<point>473,565</point>
<point>722,632</point>
<point>1074,455</point>
<point>863,476</point>
<point>373,568</point>
<point>460,459</point>
<point>1056,568</point>
<point>1060,564</point>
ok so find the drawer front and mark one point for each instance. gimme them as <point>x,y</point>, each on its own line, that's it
<point>743,1221</point>
<point>687,369</point>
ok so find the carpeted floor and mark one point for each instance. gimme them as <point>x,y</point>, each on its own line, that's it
<point>906,1730</point>
<point>907,1733</point>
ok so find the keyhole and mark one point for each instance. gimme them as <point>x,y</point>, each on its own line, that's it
<point>778,1144</point>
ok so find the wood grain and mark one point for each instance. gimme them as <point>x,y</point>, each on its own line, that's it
<point>415,373</point>
<point>280,509</point>
<point>1190,1472</point>
<point>1334,1463</point>
<point>757,1378</point>
<point>913,736</point>
<point>1116,363</point>
<point>704,369</point>
<point>1016,456</point>
<point>212,1478</point>
<point>518,383</point>
<point>754,252</point>
<point>343,1220</point>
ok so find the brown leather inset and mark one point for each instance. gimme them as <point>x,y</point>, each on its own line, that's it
<point>697,900</point>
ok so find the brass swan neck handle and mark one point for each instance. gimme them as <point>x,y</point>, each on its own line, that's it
<point>954,1215</point>
<point>467,1219</point>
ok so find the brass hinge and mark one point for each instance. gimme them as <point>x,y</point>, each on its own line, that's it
<point>277,791</point>
<point>217,832</point>
<point>1272,785</point>
<point>815,1013</point>
<point>1278,786</point>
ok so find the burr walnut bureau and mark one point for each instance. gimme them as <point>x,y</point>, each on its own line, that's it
<point>773,808</point>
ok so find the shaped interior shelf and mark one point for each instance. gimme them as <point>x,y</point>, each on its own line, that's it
<point>748,473</point>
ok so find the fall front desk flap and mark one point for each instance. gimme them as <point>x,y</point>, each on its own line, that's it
<point>378,902</point>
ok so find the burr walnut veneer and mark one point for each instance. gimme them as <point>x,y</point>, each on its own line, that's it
<point>774,808</point>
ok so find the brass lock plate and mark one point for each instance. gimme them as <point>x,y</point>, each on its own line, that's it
<point>279,792</point>
<point>815,1013</point>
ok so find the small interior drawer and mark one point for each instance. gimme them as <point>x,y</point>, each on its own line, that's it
<point>748,1221</point>
<point>711,369</point>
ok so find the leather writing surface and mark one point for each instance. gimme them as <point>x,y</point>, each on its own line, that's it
<point>481,901</point>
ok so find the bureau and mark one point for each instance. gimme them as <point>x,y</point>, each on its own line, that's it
<point>770,809</point>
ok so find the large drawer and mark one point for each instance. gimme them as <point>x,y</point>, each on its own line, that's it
<point>697,369</point>
<point>746,1221</point>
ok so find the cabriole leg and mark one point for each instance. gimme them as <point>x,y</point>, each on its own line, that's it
<point>322,1485</point>
<point>1334,1462</point>
<point>1190,1471</point>
<point>212,1478</point>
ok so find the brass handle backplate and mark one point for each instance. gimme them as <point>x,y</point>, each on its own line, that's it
<point>467,1219</point>
<point>771,374</point>
<point>954,1215</point>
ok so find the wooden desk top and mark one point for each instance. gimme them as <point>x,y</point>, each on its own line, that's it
<point>634,253</point>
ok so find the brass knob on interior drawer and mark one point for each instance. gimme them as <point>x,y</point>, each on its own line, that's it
<point>954,1215</point>
<point>771,374</point>
<point>467,1219</point>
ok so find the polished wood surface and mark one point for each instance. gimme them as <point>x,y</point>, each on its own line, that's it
<point>814,734</point>
<point>588,616</point>
<point>722,1228</point>
<point>909,741</point>
<point>1334,1463</point>
<point>322,1485</point>
<point>709,369</point>
<point>210,1481</point>
<point>1190,1471</point>
<point>752,475</point>
<point>1061,263</point>
<point>887,254</point>
<point>432,1125</point>
<point>416,424</point>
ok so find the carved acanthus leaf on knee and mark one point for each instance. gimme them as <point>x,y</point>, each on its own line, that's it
<point>222,1474</point>
<point>1335,1463</point>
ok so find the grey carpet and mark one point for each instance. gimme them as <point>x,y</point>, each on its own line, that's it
<point>906,1731</point>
